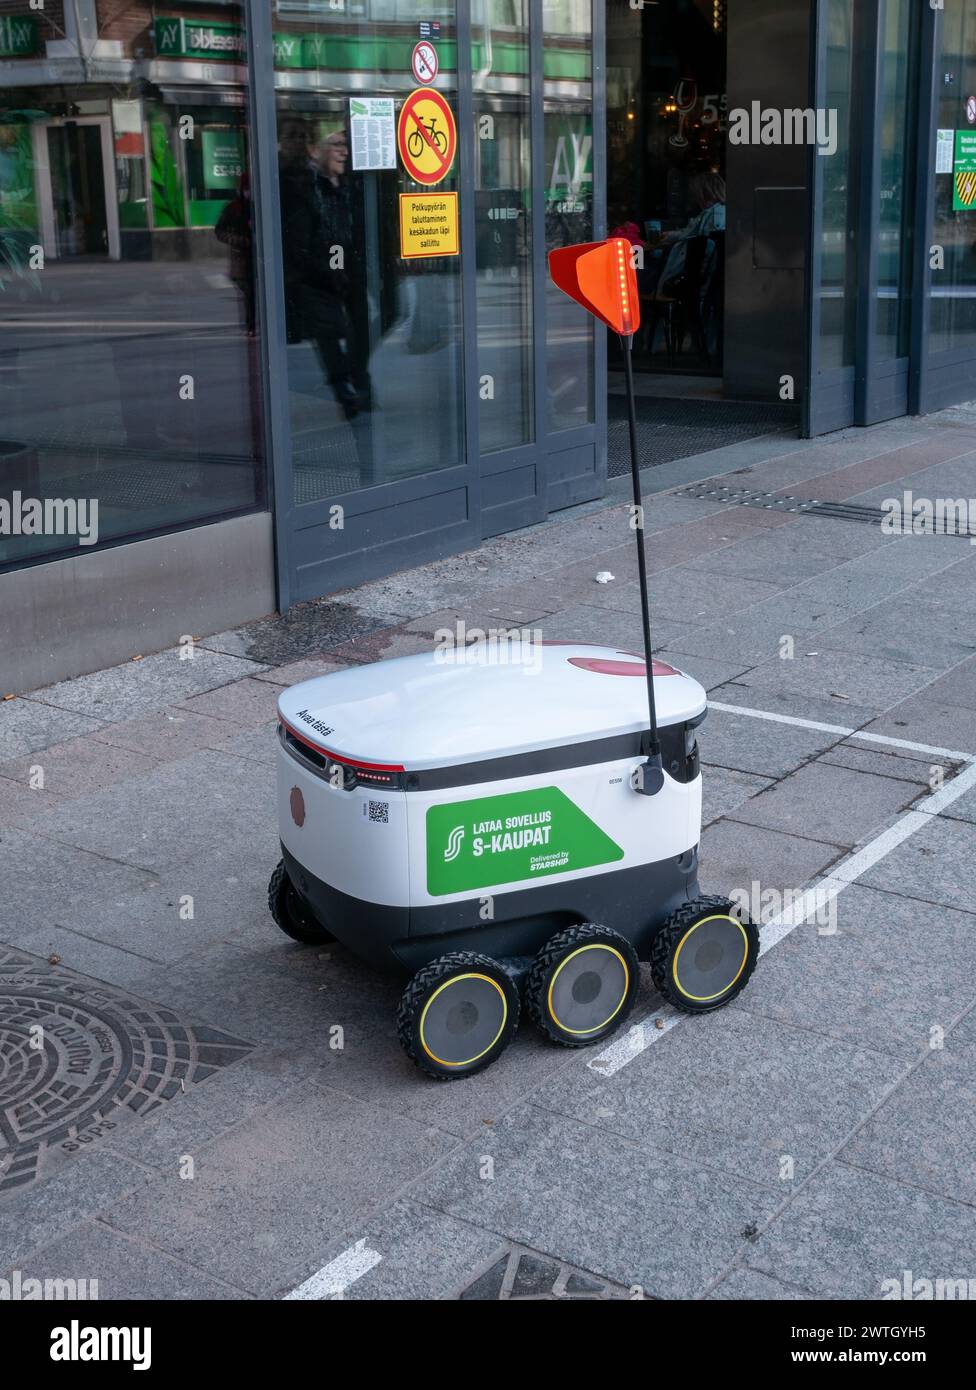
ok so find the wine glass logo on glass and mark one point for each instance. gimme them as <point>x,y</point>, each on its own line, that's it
<point>685,99</point>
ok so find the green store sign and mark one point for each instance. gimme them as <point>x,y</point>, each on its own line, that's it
<point>964,172</point>
<point>511,839</point>
<point>18,36</point>
<point>188,38</point>
<point>223,158</point>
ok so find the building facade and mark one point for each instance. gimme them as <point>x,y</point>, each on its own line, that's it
<point>274,311</point>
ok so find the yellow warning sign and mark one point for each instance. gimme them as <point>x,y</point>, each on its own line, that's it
<point>428,225</point>
<point>965,192</point>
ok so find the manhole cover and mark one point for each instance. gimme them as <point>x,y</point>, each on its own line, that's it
<point>77,1057</point>
<point>520,1275</point>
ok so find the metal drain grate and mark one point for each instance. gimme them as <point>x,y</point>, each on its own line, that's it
<point>843,511</point>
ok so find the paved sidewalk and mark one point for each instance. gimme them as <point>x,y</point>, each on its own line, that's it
<point>188,1130</point>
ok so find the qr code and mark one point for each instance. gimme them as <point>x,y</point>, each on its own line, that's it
<point>379,811</point>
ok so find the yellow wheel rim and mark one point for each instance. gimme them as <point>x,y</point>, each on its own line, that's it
<point>454,980</point>
<point>709,998</point>
<point>585,1032</point>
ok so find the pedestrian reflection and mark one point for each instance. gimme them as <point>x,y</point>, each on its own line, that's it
<point>324,269</point>
<point>235,228</point>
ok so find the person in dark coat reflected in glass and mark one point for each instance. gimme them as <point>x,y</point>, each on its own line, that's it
<point>325,281</point>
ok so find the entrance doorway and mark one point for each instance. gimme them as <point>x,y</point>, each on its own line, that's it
<point>667,152</point>
<point>666,142</point>
<point>78,211</point>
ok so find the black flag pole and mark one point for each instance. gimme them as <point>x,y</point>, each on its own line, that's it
<point>650,776</point>
<point>600,275</point>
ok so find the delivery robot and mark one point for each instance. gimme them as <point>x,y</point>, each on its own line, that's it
<point>511,824</point>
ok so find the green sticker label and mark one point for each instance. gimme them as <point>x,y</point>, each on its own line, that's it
<point>506,839</point>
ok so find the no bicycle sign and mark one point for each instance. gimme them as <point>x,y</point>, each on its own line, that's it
<point>426,136</point>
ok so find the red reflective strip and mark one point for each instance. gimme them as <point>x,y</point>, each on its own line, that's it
<point>661,668</point>
<point>337,757</point>
<point>604,667</point>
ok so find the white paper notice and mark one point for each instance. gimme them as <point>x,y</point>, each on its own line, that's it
<point>944,146</point>
<point>372,132</point>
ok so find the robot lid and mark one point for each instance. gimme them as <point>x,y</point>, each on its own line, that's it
<point>488,700</point>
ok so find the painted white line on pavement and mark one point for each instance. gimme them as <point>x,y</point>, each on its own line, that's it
<point>333,1279</point>
<point>807,905</point>
<point>640,1037</point>
<point>843,732</point>
<point>935,804</point>
<point>636,1040</point>
<point>781,718</point>
<point>952,753</point>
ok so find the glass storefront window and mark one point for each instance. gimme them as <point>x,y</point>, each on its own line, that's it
<point>568,164</point>
<point>897,176</point>
<point>838,269</point>
<point>954,285</point>
<point>374,360</point>
<point>129,362</point>
<point>500,61</point>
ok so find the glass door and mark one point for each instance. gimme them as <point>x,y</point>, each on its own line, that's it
<point>944,339</point>
<point>425,385</point>
<point>862,264</point>
<point>373,334</point>
<point>569,187</point>
<point>833,272</point>
<point>504,238</point>
<point>78,189</point>
<point>887,227</point>
<point>367,174</point>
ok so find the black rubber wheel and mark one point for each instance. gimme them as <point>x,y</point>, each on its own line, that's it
<point>457,1015</point>
<point>582,985</point>
<point>290,913</point>
<point>704,955</point>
